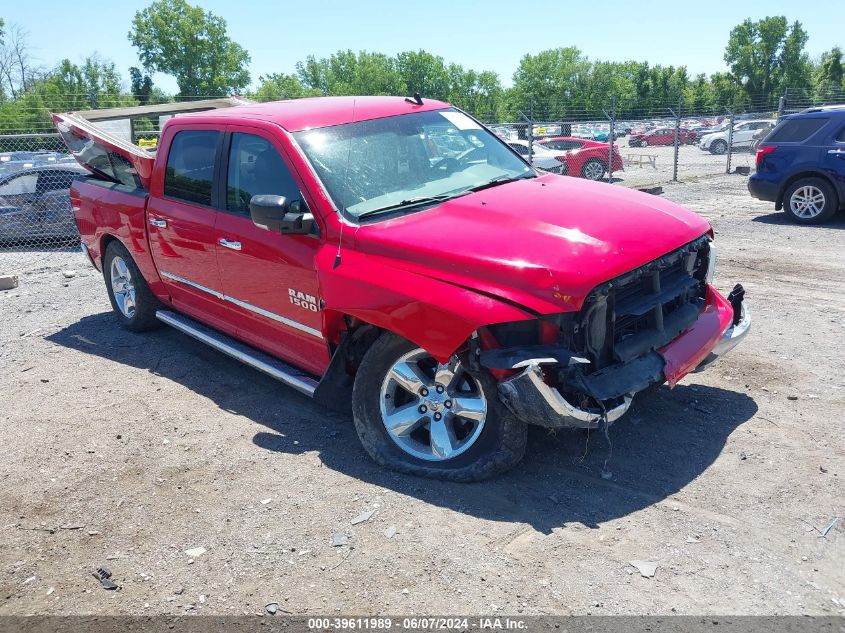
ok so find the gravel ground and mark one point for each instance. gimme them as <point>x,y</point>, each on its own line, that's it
<point>132,451</point>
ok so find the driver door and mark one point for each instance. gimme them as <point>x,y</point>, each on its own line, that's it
<point>269,279</point>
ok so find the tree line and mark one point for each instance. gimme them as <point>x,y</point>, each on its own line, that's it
<point>766,57</point>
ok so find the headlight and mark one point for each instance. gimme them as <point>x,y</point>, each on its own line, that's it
<point>711,263</point>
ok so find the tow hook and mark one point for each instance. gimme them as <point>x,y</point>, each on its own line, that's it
<point>735,298</point>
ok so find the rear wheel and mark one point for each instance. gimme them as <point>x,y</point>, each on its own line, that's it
<point>418,416</point>
<point>131,299</point>
<point>593,169</point>
<point>810,201</point>
<point>644,143</point>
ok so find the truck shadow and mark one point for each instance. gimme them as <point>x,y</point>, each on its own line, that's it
<point>665,442</point>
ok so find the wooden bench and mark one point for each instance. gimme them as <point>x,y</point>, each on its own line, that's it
<point>641,159</point>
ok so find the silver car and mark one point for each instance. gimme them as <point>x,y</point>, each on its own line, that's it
<point>35,203</point>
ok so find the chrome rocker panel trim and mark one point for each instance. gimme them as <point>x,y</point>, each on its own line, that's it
<point>246,306</point>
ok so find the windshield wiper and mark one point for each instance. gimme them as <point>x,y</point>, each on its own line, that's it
<point>406,204</point>
<point>500,180</point>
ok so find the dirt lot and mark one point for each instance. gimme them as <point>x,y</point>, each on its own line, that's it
<point>128,450</point>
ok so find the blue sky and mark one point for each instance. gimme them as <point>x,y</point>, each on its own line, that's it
<point>278,34</point>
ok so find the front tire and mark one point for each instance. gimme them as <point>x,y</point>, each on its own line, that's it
<point>719,148</point>
<point>417,416</point>
<point>131,299</point>
<point>810,201</point>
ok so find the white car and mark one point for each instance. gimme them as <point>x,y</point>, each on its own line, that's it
<point>542,157</point>
<point>744,132</point>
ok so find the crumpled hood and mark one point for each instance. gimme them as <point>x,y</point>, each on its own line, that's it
<point>543,243</point>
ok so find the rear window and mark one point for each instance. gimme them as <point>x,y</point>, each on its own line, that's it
<point>190,166</point>
<point>795,130</point>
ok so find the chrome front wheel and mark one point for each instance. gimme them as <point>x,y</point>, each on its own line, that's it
<point>432,411</point>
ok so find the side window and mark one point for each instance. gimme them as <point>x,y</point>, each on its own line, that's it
<point>190,166</point>
<point>520,149</point>
<point>256,168</point>
<point>795,130</point>
<point>19,185</point>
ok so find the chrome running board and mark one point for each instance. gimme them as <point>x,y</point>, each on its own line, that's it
<point>248,355</point>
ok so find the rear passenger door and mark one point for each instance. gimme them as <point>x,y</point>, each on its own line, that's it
<point>181,216</point>
<point>269,280</point>
<point>833,157</point>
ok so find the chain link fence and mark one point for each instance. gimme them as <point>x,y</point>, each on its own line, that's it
<point>628,144</point>
<point>653,144</point>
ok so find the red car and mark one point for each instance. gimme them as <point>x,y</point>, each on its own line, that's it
<point>447,289</point>
<point>662,136</point>
<point>587,159</point>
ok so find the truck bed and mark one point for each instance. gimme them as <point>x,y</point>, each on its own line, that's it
<point>104,209</point>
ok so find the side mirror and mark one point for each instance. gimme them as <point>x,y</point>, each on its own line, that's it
<point>275,213</point>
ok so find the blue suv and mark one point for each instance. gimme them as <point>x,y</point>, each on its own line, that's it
<point>801,165</point>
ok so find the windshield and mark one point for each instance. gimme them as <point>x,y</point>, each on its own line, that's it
<point>398,161</point>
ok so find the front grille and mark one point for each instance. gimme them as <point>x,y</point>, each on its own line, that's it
<point>646,308</point>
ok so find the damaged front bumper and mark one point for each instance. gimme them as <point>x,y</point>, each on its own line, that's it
<point>535,402</point>
<point>721,326</point>
<point>730,339</point>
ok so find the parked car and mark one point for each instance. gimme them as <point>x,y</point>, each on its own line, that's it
<point>801,165</point>
<point>602,135</point>
<point>662,136</point>
<point>587,159</point>
<point>460,299</point>
<point>542,157</point>
<point>743,135</point>
<point>35,203</point>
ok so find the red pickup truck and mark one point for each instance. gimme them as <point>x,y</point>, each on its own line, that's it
<point>398,253</point>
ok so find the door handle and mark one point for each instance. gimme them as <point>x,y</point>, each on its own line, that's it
<point>158,223</point>
<point>836,151</point>
<point>235,246</point>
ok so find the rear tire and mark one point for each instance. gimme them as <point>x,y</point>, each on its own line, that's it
<point>463,434</point>
<point>131,299</point>
<point>593,169</point>
<point>810,201</point>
